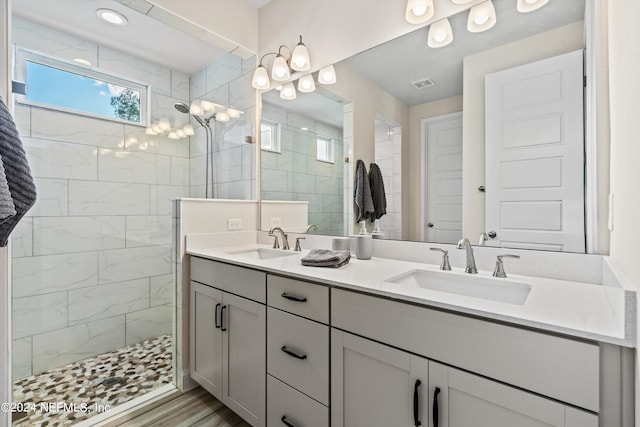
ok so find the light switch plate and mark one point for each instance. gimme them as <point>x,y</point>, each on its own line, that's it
<point>234,224</point>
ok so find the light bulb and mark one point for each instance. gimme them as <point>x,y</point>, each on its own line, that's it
<point>157,129</point>
<point>188,130</point>
<point>525,6</point>
<point>173,135</point>
<point>327,75</point>
<point>481,17</point>
<point>164,124</point>
<point>300,58</point>
<point>233,113</point>
<point>288,91</point>
<point>260,79</point>
<point>222,117</point>
<point>440,34</point>
<point>280,69</point>
<point>306,84</point>
<point>207,106</point>
<point>196,108</point>
<point>150,131</point>
<point>419,11</point>
<point>180,133</point>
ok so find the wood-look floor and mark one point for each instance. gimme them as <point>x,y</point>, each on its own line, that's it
<point>195,408</point>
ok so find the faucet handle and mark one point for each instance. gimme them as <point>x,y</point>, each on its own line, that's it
<point>499,270</point>
<point>276,245</point>
<point>444,265</point>
<point>298,248</point>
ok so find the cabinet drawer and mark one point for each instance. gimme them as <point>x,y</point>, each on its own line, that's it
<point>230,278</point>
<point>315,298</point>
<point>298,409</point>
<point>561,368</point>
<point>289,336</point>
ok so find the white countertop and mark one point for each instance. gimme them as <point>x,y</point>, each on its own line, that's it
<point>582,310</point>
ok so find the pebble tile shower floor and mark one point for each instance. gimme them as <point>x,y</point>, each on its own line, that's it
<point>107,379</point>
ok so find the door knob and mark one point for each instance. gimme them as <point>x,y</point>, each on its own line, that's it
<point>492,234</point>
<point>430,224</point>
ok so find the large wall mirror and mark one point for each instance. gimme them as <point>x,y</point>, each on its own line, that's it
<point>483,137</point>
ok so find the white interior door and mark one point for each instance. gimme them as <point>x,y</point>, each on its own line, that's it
<point>535,155</point>
<point>443,219</point>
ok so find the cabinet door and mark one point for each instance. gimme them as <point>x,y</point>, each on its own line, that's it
<point>375,385</point>
<point>206,338</point>
<point>467,400</point>
<point>244,329</point>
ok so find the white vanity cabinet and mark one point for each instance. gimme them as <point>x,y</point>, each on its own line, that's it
<point>374,376</point>
<point>297,353</point>
<point>228,336</point>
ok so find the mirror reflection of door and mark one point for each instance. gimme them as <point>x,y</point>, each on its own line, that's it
<point>443,206</point>
<point>535,155</point>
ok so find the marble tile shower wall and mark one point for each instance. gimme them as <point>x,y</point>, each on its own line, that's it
<point>92,265</point>
<point>226,81</point>
<point>388,149</point>
<point>296,174</point>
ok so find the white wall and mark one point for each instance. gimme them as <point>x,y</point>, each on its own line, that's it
<point>555,42</point>
<point>624,60</point>
<point>233,20</point>
<point>5,257</point>
<point>294,216</point>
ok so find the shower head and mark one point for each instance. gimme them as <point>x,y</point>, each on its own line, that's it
<point>184,108</point>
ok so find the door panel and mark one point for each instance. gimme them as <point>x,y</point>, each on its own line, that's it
<point>535,155</point>
<point>206,339</point>
<point>373,385</point>
<point>244,358</point>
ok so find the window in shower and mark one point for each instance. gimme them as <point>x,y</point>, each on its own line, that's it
<point>270,136</point>
<point>325,149</point>
<point>69,87</point>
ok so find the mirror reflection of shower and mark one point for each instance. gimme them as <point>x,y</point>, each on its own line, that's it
<point>216,113</point>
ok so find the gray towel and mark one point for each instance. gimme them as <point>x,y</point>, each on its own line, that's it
<point>376,184</point>
<point>362,193</point>
<point>7,208</point>
<point>326,258</point>
<point>17,172</point>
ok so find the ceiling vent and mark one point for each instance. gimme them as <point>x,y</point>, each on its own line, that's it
<point>423,83</point>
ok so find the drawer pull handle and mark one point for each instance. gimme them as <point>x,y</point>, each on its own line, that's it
<point>285,422</point>
<point>216,315</point>
<point>293,354</point>
<point>293,297</point>
<point>223,328</point>
<point>435,406</point>
<point>416,404</point>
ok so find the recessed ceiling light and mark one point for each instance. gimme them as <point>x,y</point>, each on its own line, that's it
<point>112,17</point>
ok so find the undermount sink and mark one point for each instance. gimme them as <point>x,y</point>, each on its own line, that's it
<point>489,288</point>
<point>264,253</point>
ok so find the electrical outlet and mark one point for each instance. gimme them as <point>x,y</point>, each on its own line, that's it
<point>234,224</point>
<point>276,222</point>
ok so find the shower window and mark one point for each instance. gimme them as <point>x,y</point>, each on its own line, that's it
<point>69,87</point>
<point>270,136</point>
<point>325,150</point>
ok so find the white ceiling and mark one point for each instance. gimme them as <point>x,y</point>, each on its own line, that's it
<point>394,65</point>
<point>143,36</point>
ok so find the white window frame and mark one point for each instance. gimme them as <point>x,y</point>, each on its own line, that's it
<point>22,56</point>
<point>275,146</point>
<point>328,154</point>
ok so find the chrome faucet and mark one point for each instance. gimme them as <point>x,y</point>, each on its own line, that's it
<point>471,262</point>
<point>285,242</point>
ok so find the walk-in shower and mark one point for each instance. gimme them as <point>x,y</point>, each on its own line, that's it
<point>218,113</point>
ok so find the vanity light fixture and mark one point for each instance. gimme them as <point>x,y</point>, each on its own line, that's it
<point>525,6</point>
<point>188,130</point>
<point>164,124</point>
<point>419,11</point>
<point>481,17</point>
<point>283,68</point>
<point>112,17</point>
<point>461,1</point>
<point>440,34</point>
